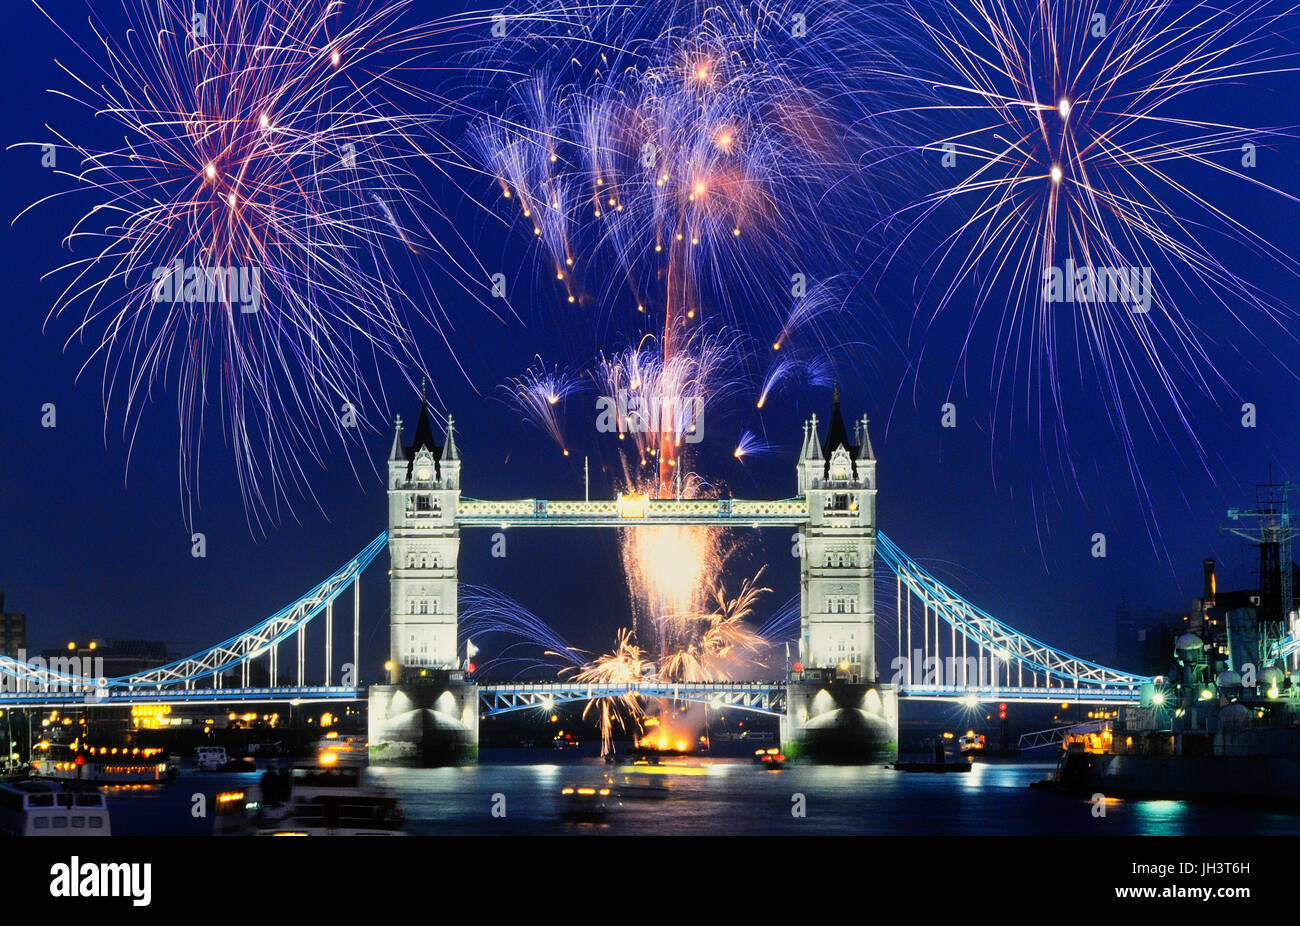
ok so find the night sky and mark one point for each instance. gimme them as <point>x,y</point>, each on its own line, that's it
<point>92,546</point>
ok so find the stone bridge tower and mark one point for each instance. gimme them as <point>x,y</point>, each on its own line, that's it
<point>837,601</point>
<point>423,543</point>
<point>836,708</point>
<point>427,713</point>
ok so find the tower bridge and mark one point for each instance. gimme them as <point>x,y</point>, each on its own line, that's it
<point>836,699</point>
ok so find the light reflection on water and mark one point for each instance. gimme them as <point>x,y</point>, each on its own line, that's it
<point>726,797</point>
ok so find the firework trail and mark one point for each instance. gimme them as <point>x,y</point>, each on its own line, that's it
<point>263,224</point>
<point>783,624</point>
<point>539,393</point>
<point>751,445</point>
<point>486,613</point>
<point>1083,160</point>
<point>812,373</point>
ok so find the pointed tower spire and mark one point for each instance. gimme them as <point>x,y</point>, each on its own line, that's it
<point>397,453</point>
<point>449,451</point>
<point>837,435</point>
<point>865,450</point>
<point>803,447</point>
<point>814,442</point>
<point>423,437</point>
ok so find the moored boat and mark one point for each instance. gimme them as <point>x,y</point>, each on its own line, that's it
<point>40,807</point>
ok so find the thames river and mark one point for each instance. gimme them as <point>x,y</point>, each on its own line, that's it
<point>724,796</point>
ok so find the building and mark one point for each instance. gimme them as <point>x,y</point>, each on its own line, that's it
<point>13,631</point>
<point>423,543</point>
<point>97,658</point>
<point>837,558</point>
<point>1144,639</point>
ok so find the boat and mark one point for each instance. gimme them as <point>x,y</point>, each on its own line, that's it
<point>325,799</point>
<point>938,768</point>
<point>40,807</point>
<point>215,759</point>
<point>210,758</point>
<point>348,747</point>
<point>1223,724</point>
<point>582,803</point>
<point>941,765</point>
<point>109,765</point>
<point>637,786</point>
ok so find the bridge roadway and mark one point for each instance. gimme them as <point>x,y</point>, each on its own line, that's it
<point>126,696</point>
<point>632,511</point>
<point>758,697</point>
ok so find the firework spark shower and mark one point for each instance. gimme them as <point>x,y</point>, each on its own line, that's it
<point>257,223</point>
<point>1084,221</point>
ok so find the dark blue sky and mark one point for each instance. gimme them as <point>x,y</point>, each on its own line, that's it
<point>89,547</point>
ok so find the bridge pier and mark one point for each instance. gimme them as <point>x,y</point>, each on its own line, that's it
<point>424,721</point>
<point>840,722</point>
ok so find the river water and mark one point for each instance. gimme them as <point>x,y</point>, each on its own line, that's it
<point>724,796</point>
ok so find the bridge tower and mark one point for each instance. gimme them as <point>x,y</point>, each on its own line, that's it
<point>837,602</point>
<point>836,707</point>
<point>428,713</point>
<point>423,544</point>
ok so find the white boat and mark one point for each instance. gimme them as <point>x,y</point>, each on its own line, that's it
<point>116,766</point>
<point>210,758</point>
<point>35,807</point>
<point>330,799</point>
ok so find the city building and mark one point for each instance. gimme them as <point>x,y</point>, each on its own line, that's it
<point>13,631</point>
<point>107,659</point>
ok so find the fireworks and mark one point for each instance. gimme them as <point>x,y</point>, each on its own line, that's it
<point>486,613</point>
<point>812,373</point>
<point>679,159</point>
<point>686,169</point>
<point>259,224</point>
<point>725,644</point>
<point>659,401</point>
<point>1080,146</point>
<point>751,445</point>
<point>539,394</point>
<point>624,666</point>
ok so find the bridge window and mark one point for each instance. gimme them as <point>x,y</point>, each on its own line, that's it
<point>838,502</point>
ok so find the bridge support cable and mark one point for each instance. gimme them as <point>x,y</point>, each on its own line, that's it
<point>1002,643</point>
